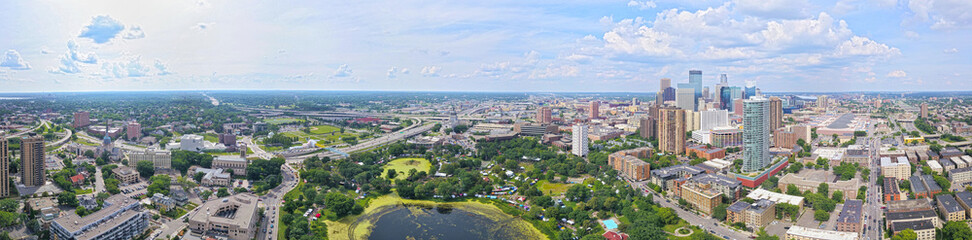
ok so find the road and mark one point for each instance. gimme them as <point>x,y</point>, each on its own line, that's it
<point>410,131</point>
<point>708,224</point>
<point>872,207</point>
<point>272,204</point>
<point>99,181</point>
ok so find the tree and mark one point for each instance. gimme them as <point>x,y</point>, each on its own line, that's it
<point>720,212</point>
<point>159,184</point>
<point>821,215</point>
<point>956,230</point>
<point>823,189</point>
<point>145,168</point>
<point>667,215</point>
<point>222,192</point>
<point>66,198</point>
<point>906,234</point>
<point>578,193</point>
<point>942,182</point>
<point>341,205</point>
<point>838,196</point>
<point>392,173</point>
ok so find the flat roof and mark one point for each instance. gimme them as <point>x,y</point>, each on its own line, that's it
<point>913,225</point>
<point>842,122</point>
<point>892,216</point>
<point>851,213</point>
<point>916,185</point>
<point>949,203</point>
<point>934,164</point>
<point>775,197</point>
<point>245,204</point>
<point>964,197</point>
<point>930,183</point>
<point>814,233</point>
<point>73,223</point>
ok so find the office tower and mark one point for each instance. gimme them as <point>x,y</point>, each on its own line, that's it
<point>133,130</point>
<point>594,111</point>
<point>81,119</point>
<point>665,83</point>
<point>32,161</point>
<point>723,80</point>
<point>822,101</point>
<point>671,130</point>
<point>775,113</point>
<point>543,115</point>
<point>660,98</point>
<point>705,92</point>
<point>750,89</point>
<point>668,94</point>
<point>924,110</point>
<point>713,119</point>
<point>4,167</point>
<point>685,99</point>
<point>755,133</point>
<point>634,101</point>
<point>579,144</point>
<point>725,98</point>
<point>695,78</point>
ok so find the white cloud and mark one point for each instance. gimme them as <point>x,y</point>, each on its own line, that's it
<point>163,69</point>
<point>134,32</point>
<point>202,26</point>
<point>858,46</point>
<point>642,5</point>
<point>951,50</point>
<point>579,58</point>
<point>630,38</point>
<point>395,71</point>
<point>912,35</point>
<point>342,71</point>
<point>728,53</point>
<point>102,29</point>
<point>822,31</point>
<point>133,67</point>
<point>430,71</point>
<point>551,71</point>
<point>897,74</point>
<point>12,60</point>
<point>70,61</point>
<point>774,8</point>
<point>946,14</point>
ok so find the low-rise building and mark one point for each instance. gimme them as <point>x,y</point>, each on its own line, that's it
<point>965,200</point>
<point>849,219</point>
<point>663,176</point>
<point>950,208</point>
<point>755,215</point>
<point>898,167</point>
<point>120,218</point>
<point>891,190</point>
<point>810,180</point>
<point>803,233</point>
<point>629,164</point>
<point>530,129</point>
<point>237,163</point>
<point>701,196</point>
<point>162,203</point>
<point>234,217</point>
<point>925,229</point>
<point>935,166</point>
<point>125,174</point>
<point>895,217</point>
<point>960,177</point>
<point>214,177</point>
<point>760,193</point>
<point>161,159</point>
<point>708,153</point>
<point>727,186</point>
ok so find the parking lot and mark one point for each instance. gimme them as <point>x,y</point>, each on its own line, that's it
<point>135,190</point>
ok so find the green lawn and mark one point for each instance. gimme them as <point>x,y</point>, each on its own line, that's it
<point>403,165</point>
<point>277,121</point>
<point>211,137</point>
<point>324,129</point>
<point>552,189</point>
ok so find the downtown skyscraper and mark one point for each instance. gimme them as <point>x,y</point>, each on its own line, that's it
<point>756,133</point>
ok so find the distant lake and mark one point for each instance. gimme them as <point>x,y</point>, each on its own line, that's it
<point>403,222</point>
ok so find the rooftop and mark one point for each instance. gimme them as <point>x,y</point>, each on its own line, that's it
<point>887,161</point>
<point>913,225</point>
<point>114,208</point>
<point>892,216</point>
<point>814,233</point>
<point>949,203</point>
<point>717,179</point>
<point>238,213</point>
<point>775,197</point>
<point>851,213</point>
<point>916,185</point>
<point>909,205</point>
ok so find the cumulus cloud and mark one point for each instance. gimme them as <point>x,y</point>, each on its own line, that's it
<point>862,46</point>
<point>342,71</point>
<point>897,74</point>
<point>430,71</point>
<point>552,71</point>
<point>102,29</point>
<point>630,38</point>
<point>132,67</point>
<point>134,32</point>
<point>162,68</point>
<point>12,60</point>
<point>951,50</point>
<point>71,60</point>
<point>642,5</point>
<point>774,8</point>
<point>394,71</point>
<point>945,14</point>
<point>579,58</point>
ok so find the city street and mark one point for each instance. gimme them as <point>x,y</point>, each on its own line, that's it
<point>708,224</point>
<point>271,203</point>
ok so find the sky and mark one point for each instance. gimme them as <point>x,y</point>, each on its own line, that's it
<point>543,46</point>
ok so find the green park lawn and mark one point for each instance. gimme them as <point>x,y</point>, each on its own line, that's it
<point>324,129</point>
<point>277,121</point>
<point>403,165</point>
<point>552,189</point>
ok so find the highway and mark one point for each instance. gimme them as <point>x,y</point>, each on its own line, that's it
<point>410,131</point>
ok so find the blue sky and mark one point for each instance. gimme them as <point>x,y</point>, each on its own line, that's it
<point>564,45</point>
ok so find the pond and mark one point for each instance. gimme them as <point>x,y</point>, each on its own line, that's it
<point>442,222</point>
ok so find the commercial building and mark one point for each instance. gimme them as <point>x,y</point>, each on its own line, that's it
<point>4,166</point>
<point>714,118</point>
<point>849,219</point>
<point>755,215</point>
<point>891,190</point>
<point>133,130</point>
<point>32,172</point>
<point>126,174</point>
<point>787,137</point>
<point>603,133</point>
<point>227,139</point>
<point>161,159</point>
<point>664,176</point>
<point>192,142</point>
<point>528,129</point>
<point>236,163</point>
<point>726,137</point>
<point>776,197</point>
<point>234,217</point>
<point>579,140</point>
<point>120,218</point>
<point>810,180</point>
<point>803,233</point>
<point>629,164</point>
<point>544,115</point>
<point>756,134</point>
<point>898,168</point>
<point>756,178</point>
<point>702,196</point>
<point>727,186</point>
<point>925,229</point>
<point>775,113</point>
<point>950,208</point>
<point>213,177</point>
<point>671,130</point>
<point>708,153</point>
<point>81,119</point>
<point>685,98</point>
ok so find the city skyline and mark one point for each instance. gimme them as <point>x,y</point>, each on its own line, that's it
<point>617,46</point>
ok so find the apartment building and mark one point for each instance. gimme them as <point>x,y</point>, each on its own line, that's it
<point>849,219</point>
<point>950,208</point>
<point>629,164</point>
<point>664,176</point>
<point>965,200</point>
<point>803,233</point>
<point>727,186</point>
<point>960,177</point>
<point>925,229</point>
<point>120,218</point>
<point>810,180</point>
<point>891,190</point>
<point>898,167</point>
<point>701,196</point>
<point>755,215</point>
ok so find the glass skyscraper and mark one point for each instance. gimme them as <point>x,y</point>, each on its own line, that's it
<point>756,133</point>
<point>695,83</point>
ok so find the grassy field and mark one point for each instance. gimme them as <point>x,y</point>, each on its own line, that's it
<point>277,121</point>
<point>403,165</point>
<point>324,139</point>
<point>211,137</point>
<point>324,129</point>
<point>552,189</point>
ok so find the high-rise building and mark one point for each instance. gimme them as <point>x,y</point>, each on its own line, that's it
<point>685,99</point>
<point>543,115</point>
<point>671,130</point>
<point>579,144</point>
<point>133,130</point>
<point>634,101</point>
<point>750,89</point>
<point>4,167</point>
<point>665,83</point>
<point>32,161</point>
<point>924,110</point>
<point>775,113</point>
<point>713,119</point>
<point>737,106</point>
<point>705,93</point>
<point>755,133</point>
<point>594,110</point>
<point>81,119</point>
<point>822,101</point>
<point>695,78</point>
<point>647,127</point>
<point>668,94</point>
